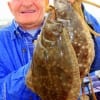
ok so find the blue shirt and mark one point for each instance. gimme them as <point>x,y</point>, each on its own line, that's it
<point>14,65</point>
<point>29,36</point>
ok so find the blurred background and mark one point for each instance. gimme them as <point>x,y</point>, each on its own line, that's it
<point>6,16</point>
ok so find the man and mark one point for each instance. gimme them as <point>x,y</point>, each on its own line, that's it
<point>16,44</point>
<point>17,48</point>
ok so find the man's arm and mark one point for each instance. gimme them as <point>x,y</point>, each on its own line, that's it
<point>13,71</point>
<point>14,84</point>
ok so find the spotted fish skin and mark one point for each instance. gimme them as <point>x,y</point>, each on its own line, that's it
<point>54,73</point>
<point>55,69</point>
<point>79,33</point>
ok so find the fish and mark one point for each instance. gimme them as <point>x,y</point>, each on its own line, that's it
<point>80,36</point>
<point>64,52</point>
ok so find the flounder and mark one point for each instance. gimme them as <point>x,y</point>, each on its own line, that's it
<point>63,55</point>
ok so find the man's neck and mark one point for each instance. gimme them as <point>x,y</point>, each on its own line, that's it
<point>29,26</point>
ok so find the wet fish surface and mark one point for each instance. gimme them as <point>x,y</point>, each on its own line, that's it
<point>63,55</point>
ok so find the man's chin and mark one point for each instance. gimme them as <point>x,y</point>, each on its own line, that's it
<point>30,24</point>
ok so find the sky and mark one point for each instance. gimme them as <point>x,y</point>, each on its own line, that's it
<point>6,15</point>
<point>4,10</point>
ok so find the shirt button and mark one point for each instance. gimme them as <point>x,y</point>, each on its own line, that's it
<point>17,32</point>
<point>24,50</point>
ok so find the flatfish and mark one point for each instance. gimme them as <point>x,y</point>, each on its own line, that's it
<point>78,31</point>
<point>63,54</point>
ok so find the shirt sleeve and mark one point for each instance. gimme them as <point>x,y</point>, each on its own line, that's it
<point>92,20</point>
<point>13,71</point>
<point>13,85</point>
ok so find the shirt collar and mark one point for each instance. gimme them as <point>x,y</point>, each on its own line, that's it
<point>16,30</point>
